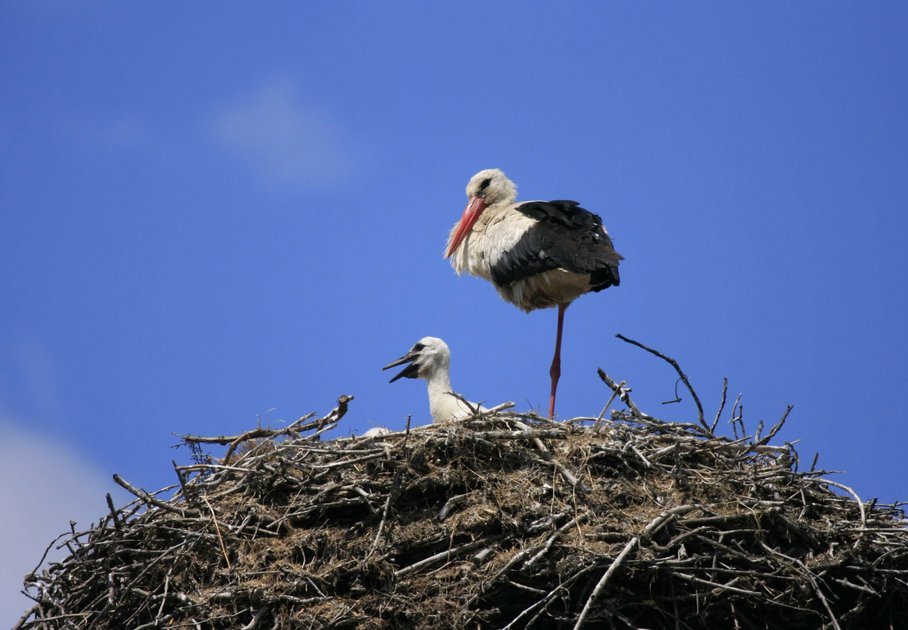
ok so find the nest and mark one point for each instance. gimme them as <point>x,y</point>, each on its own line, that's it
<point>502,520</point>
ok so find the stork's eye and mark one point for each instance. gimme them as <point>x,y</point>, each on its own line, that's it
<point>485,184</point>
<point>417,347</point>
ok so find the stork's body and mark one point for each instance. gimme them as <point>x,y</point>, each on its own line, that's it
<point>430,359</point>
<point>537,254</point>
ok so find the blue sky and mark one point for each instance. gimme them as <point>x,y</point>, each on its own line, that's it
<point>218,215</point>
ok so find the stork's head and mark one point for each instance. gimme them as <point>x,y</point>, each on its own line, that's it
<point>487,188</point>
<point>429,355</point>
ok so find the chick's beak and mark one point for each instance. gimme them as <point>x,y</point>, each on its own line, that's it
<point>411,371</point>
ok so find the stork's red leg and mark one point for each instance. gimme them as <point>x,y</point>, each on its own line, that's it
<point>555,370</point>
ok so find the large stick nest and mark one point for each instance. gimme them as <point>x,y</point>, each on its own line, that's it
<point>502,520</point>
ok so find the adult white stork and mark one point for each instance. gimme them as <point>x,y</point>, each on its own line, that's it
<point>537,254</point>
<point>430,359</point>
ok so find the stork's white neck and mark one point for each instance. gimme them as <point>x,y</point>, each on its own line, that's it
<point>439,382</point>
<point>443,404</point>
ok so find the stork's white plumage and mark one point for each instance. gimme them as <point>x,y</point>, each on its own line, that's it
<point>537,254</point>
<point>430,359</point>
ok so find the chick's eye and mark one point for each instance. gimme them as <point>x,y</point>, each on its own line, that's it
<point>417,347</point>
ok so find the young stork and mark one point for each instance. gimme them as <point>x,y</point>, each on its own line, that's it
<point>430,359</point>
<point>537,254</point>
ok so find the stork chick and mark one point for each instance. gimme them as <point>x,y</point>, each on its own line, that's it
<point>430,359</point>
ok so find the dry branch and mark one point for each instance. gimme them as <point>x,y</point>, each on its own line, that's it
<point>681,375</point>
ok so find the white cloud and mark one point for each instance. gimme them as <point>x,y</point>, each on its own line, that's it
<point>286,142</point>
<point>43,486</point>
<point>33,377</point>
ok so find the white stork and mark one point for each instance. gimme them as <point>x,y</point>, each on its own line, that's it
<point>538,254</point>
<point>430,359</point>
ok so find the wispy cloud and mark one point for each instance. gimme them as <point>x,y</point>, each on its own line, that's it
<point>285,141</point>
<point>43,486</point>
<point>33,379</point>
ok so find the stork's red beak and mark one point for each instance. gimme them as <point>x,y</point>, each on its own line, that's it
<point>470,214</point>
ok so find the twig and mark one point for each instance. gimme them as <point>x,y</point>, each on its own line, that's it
<point>157,618</point>
<point>628,548</point>
<point>561,468</point>
<point>176,469</point>
<point>735,417</point>
<point>348,462</point>
<point>712,428</point>
<point>113,511</point>
<point>551,540</point>
<point>147,497</point>
<point>217,529</point>
<point>681,374</point>
<point>381,527</point>
<point>253,433</point>
<point>623,393</point>
<point>677,398</point>
<point>636,451</point>
<point>407,433</point>
<point>716,585</point>
<point>854,494</point>
<point>611,399</point>
<point>450,504</point>
<point>776,427</point>
<point>474,408</point>
<point>497,408</point>
<point>448,553</point>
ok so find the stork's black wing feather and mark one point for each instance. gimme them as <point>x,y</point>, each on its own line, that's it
<point>565,236</point>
